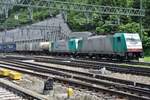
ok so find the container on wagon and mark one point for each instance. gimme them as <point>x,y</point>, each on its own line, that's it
<point>9,47</point>
<point>60,46</point>
<point>1,48</point>
<point>44,45</point>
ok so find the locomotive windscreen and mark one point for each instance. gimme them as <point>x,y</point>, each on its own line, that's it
<point>133,42</point>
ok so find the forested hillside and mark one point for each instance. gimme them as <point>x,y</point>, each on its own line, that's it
<point>91,22</point>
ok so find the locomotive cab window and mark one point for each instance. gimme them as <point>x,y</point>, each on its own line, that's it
<point>119,39</point>
<point>72,43</point>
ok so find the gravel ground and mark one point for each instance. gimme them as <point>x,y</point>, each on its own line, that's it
<point>59,91</point>
<point>32,83</point>
<point>136,78</point>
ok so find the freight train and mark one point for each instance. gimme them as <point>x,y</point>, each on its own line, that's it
<point>119,46</point>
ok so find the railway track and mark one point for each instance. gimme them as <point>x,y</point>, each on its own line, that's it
<point>85,59</point>
<point>10,91</point>
<point>90,64</point>
<point>120,62</point>
<point>97,76</point>
<point>141,91</point>
<point>8,95</point>
<point>97,65</point>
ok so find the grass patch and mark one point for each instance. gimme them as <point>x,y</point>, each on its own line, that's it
<point>147,58</point>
